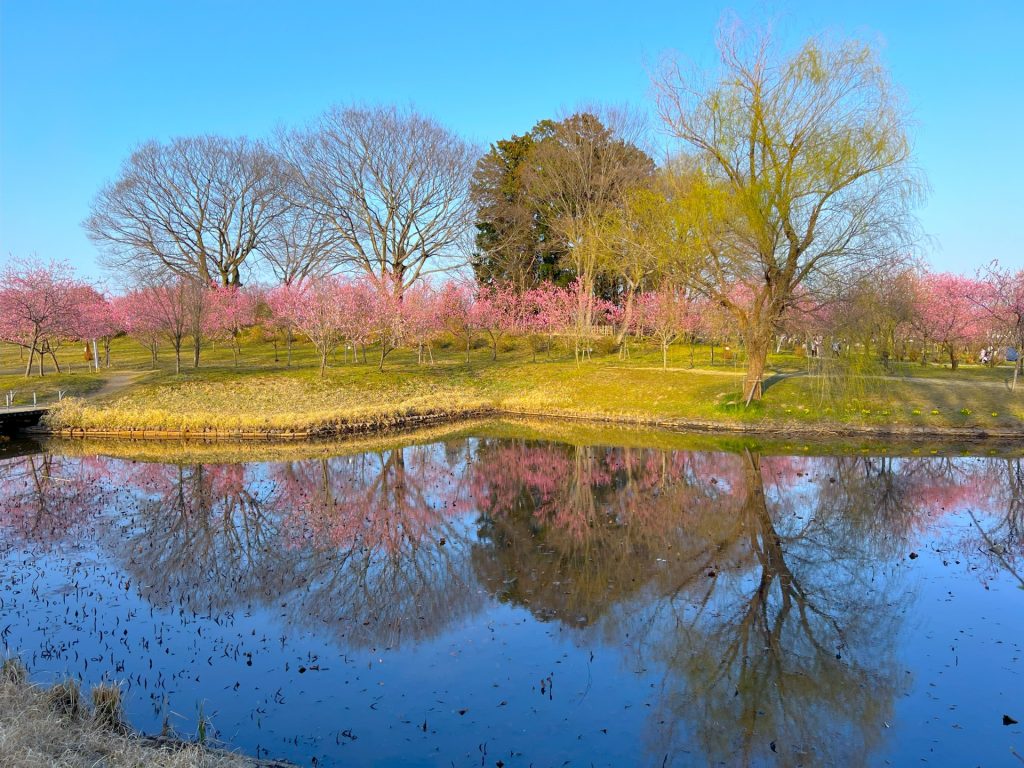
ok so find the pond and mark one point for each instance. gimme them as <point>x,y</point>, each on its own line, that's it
<point>488,596</point>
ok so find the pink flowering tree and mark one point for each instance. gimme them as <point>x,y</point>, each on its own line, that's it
<point>999,296</point>
<point>495,312</point>
<point>232,310</point>
<point>92,322</point>
<point>455,305</point>
<point>171,306</point>
<point>39,307</point>
<point>357,305</point>
<point>99,320</point>
<point>946,314</point>
<point>386,318</point>
<point>569,312</point>
<point>282,301</point>
<point>134,313</point>
<point>422,321</point>
<point>667,315</point>
<point>545,312</point>
<point>317,312</point>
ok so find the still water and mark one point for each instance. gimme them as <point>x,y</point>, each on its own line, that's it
<point>488,599</point>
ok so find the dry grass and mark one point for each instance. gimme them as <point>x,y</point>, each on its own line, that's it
<point>264,396</point>
<point>53,728</point>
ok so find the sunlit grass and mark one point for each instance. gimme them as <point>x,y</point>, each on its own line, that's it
<point>262,394</point>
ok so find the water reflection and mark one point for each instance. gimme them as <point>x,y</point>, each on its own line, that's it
<point>763,596</point>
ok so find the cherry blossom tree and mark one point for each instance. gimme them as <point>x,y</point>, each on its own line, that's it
<point>946,314</point>
<point>386,317</point>
<point>135,314</point>
<point>171,304</point>
<point>545,311</point>
<point>232,309</point>
<point>666,314</point>
<point>455,309</point>
<point>315,310</point>
<point>282,301</point>
<point>39,306</point>
<point>421,312</point>
<point>98,320</point>
<point>999,296</point>
<point>495,312</point>
<point>359,313</point>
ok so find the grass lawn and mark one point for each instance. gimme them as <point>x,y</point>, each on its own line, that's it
<point>261,393</point>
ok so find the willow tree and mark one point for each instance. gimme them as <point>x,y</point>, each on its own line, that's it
<point>801,174</point>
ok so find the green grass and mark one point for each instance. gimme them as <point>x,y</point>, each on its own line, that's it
<point>46,389</point>
<point>262,394</point>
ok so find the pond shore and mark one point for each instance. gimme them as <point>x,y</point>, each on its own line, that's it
<point>263,399</point>
<point>387,422</point>
<point>44,726</point>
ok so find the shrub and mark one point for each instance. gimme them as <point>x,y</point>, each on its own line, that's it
<point>605,345</point>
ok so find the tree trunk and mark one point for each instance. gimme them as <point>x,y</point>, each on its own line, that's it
<point>323,361</point>
<point>196,344</point>
<point>664,356</point>
<point>627,316</point>
<point>31,356</point>
<point>757,360</point>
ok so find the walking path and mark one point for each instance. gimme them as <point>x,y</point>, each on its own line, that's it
<point>115,382</point>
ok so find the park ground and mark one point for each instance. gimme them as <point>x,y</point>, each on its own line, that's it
<point>261,394</point>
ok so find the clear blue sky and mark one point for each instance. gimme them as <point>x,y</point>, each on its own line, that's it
<point>82,83</point>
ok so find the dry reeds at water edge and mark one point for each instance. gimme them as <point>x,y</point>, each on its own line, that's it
<point>56,726</point>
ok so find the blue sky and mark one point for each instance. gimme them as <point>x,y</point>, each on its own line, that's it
<point>82,83</point>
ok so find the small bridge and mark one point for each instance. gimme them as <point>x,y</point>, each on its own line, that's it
<point>20,417</point>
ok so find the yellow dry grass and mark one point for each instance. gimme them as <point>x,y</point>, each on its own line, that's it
<point>48,728</point>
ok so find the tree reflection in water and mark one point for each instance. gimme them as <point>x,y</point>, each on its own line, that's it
<point>770,607</point>
<point>761,590</point>
<point>369,547</point>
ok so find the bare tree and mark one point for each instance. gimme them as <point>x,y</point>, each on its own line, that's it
<point>196,207</point>
<point>803,175</point>
<point>302,243</point>
<point>577,177</point>
<point>581,173</point>
<point>394,186</point>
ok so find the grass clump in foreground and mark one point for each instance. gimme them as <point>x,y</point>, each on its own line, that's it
<point>47,727</point>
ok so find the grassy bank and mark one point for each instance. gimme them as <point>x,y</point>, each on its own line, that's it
<point>579,433</point>
<point>61,726</point>
<point>264,395</point>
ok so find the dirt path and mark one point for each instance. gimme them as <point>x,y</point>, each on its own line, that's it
<point>115,383</point>
<point>777,377</point>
